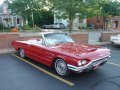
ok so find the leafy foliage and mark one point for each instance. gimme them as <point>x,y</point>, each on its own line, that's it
<point>109,9</point>
<point>42,18</point>
<point>25,8</point>
<point>72,8</point>
<point>1,26</point>
<point>63,9</point>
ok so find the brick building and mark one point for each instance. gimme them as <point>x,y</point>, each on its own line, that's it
<point>98,22</point>
<point>116,22</point>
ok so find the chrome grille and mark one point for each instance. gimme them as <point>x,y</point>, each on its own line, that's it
<point>99,61</point>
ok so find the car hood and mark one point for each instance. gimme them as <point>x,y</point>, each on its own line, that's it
<point>81,50</point>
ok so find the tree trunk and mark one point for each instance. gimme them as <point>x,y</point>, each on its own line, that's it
<point>104,23</point>
<point>97,24</point>
<point>70,25</point>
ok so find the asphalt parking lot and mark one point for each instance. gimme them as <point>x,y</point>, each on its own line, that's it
<point>26,74</point>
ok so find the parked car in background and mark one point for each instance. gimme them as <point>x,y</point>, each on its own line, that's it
<point>47,27</point>
<point>58,50</point>
<point>115,39</point>
<point>54,26</point>
<point>59,26</point>
<point>90,26</point>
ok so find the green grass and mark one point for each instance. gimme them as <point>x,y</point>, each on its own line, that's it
<point>6,30</point>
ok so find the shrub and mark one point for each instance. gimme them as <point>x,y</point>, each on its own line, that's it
<point>14,30</point>
<point>38,28</point>
<point>1,27</point>
<point>26,27</point>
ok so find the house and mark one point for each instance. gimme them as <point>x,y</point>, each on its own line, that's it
<point>8,19</point>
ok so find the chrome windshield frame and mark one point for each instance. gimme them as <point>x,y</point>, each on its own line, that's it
<point>44,39</point>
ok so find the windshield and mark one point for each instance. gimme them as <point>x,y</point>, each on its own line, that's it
<point>57,38</point>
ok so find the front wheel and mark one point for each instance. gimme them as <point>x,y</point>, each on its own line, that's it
<point>61,67</point>
<point>22,53</point>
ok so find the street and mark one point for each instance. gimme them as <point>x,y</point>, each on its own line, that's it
<point>26,74</point>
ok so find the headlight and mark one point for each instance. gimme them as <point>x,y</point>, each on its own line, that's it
<point>82,62</point>
<point>79,63</point>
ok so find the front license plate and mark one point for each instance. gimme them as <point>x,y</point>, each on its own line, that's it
<point>96,67</point>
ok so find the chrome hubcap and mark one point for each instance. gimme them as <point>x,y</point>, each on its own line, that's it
<point>21,53</point>
<point>60,67</point>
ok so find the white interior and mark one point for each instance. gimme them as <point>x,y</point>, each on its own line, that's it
<point>33,42</point>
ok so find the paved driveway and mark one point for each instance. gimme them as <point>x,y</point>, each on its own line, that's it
<point>26,74</point>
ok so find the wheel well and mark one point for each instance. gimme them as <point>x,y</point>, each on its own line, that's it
<point>18,49</point>
<point>55,60</point>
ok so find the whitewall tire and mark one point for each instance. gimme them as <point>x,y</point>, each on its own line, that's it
<point>21,53</point>
<point>61,67</point>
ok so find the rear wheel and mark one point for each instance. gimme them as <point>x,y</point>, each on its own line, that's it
<point>61,67</point>
<point>21,53</point>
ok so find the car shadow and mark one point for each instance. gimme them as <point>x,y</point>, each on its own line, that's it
<point>71,77</point>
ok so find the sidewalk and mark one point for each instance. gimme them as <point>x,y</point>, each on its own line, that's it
<point>9,50</point>
<point>99,43</point>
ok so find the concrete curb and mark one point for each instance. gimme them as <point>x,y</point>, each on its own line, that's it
<point>100,43</point>
<point>8,50</point>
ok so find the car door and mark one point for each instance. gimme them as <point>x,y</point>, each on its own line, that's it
<point>35,52</point>
<point>40,54</point>
<point>47,55</point>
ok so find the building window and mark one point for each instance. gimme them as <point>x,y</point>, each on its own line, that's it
<point>116,24</point>
<point>18,21</point>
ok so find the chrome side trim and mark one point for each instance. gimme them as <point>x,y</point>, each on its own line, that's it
<point>44,40</point>
<point>80,69</point>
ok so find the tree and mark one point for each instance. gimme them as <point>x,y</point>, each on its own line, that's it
<point>38,8</point>
<point>109,8</point>
<point>72,8</point>
<point>41,18</point>
<point>25,7</point>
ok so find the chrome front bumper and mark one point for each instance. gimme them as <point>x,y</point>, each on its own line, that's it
<point>91,64</point>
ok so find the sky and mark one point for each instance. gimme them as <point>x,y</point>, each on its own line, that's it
<point>1,1</point>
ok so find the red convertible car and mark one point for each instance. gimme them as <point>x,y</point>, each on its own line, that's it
<point>58,50</point>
